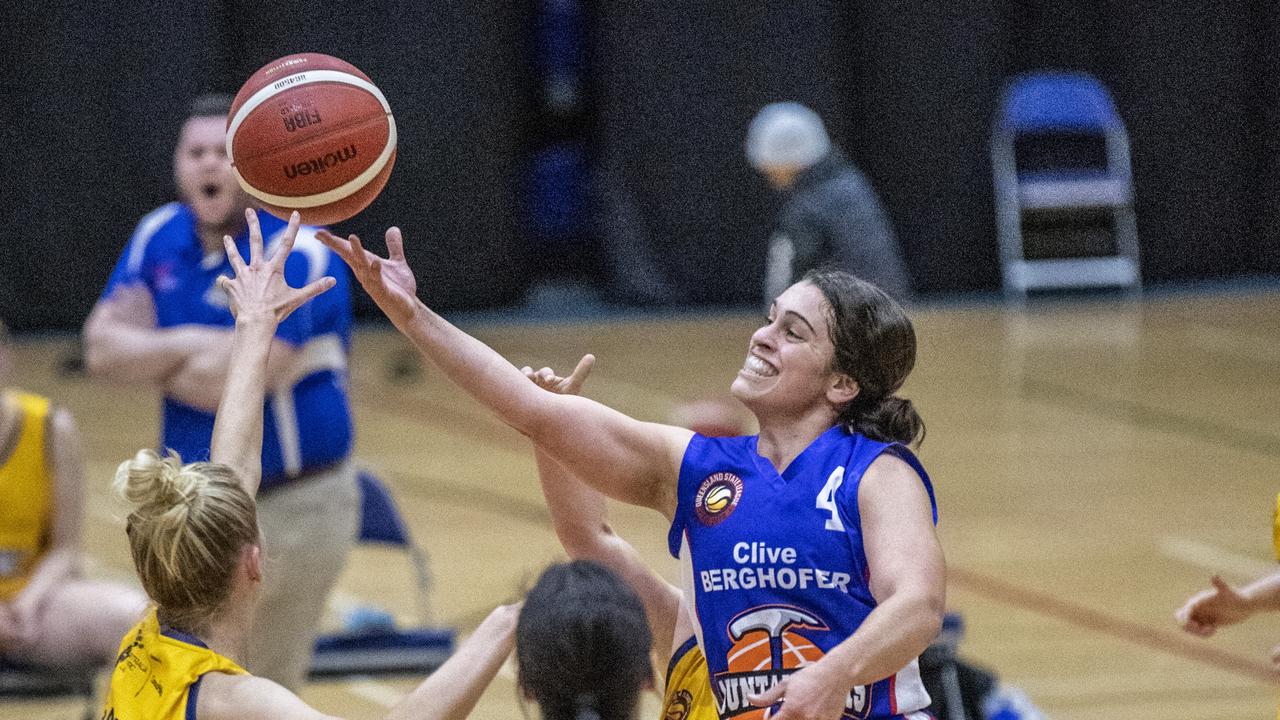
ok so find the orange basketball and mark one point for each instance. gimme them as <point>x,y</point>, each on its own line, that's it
<point>311,133</point>
<point>752,654</point>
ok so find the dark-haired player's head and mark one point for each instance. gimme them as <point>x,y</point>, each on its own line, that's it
<point>582,644</point>
<point>202,170</point>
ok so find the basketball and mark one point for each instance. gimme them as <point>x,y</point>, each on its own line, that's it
<point>311,133</point>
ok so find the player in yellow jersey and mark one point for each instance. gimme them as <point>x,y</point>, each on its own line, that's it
<point>197,548</point>
<point>578,513</point>
<point>49,614</point>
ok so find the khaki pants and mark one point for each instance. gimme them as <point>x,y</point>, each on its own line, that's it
<point>308,527</point>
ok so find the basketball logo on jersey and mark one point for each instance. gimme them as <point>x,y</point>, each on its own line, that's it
<point>767,647</point>
<point>717,497</point>
<point>678,708</point>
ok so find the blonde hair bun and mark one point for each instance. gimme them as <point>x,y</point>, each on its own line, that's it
<point>150,480</point>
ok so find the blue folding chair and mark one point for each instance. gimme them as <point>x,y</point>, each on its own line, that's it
<point>384,648</point>
<point>28,682</point>
<point>1045,104</point>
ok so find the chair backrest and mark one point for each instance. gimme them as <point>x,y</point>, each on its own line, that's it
<point>380,519</point>
<point>1056,101</point>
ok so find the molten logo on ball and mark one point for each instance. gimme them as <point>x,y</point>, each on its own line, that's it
<point>320,164</point>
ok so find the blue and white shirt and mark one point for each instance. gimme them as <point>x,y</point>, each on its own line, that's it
<point>774,565</point>
<point>307,419</point>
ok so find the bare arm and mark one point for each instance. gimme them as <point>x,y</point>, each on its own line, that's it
<point>633,461</point>
<point>1223,604</point>
<point>188,362</point>
<point>580,518</point>
<point>260,299</point>
<point>247,697</point>
<point>449,693</point>
<point>908,581</point>
<point>122,343</point>
<point>62,562</point>
<point>200,380</point>
<point>452,691</point>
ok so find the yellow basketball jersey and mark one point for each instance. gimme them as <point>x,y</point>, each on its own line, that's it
<point>26,513</point>
<point>1275,529</point>
<point>155,670</point>
<point>688,693</point>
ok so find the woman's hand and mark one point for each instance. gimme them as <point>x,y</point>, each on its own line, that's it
<point>1208,610</point>
<point>389,281</point>
<point>547,379</point>
<point>258,291</point>
<point>811,693</point>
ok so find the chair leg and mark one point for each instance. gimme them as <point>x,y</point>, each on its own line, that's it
<point>1126,229</point>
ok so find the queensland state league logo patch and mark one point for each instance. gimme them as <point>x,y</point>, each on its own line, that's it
<point>717,497</point>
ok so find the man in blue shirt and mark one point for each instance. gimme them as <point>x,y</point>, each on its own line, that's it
<point>163,322</point>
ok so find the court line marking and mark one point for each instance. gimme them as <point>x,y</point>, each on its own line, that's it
<point>1214,559</point>
<point>1137,414</point>
<point>1163,641</point>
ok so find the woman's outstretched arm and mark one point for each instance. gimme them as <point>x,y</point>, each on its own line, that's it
<point>260,299</point>
<point>633,461</point>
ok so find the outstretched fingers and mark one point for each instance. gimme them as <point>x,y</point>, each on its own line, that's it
<point>286,243</point>
<point>334,243</point>
<point>395,244</point>
<point>351,250</point>
<point>299,296</point>
<point>255,236</point>
<point>237,262</point>
<point>579,375</point>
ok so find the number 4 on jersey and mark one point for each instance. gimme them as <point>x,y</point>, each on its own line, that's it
<point>827,499</point>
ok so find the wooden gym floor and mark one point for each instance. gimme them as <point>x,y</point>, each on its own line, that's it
<point>1094,463</point>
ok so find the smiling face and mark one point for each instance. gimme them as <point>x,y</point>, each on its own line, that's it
<point>788,369</point>
<point>203,175</point>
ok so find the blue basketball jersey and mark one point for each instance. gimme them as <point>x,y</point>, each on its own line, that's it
<point>775,568</point>
<point>307,419</point>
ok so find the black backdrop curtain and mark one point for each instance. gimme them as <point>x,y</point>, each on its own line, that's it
<point>93,93</point>
<point>909,88</point>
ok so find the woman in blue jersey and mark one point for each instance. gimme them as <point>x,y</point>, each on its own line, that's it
<point>812,561</point>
